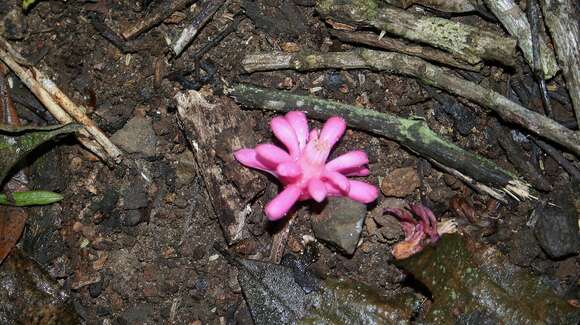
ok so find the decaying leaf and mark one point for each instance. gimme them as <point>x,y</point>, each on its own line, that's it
<point>12,220</point>
<point>17,142</point>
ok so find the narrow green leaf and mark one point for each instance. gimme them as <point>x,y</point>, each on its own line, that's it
<point>27,3</point>
<point>30,198</point>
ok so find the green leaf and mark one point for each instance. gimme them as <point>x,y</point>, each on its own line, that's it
<point>16,143</point>
<point>30,198</point>
<point>27,3</point>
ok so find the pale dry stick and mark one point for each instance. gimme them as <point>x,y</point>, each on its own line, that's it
<point>425,72</point>
<point>565,31</point>
<point>150,22</point>
<point>515,21</point>
<point>73,110</point>
<point>189,33</point>
<point>27,77</point>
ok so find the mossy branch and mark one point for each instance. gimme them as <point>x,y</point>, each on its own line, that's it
<point>427,73</point>
<point>413,134</point>
<point>465,42</point>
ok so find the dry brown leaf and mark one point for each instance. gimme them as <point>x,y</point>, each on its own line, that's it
<point>12,221</point>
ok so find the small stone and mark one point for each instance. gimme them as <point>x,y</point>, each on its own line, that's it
<point>290,47</point>
<point>135,196</point>
<point>95,289</point>
<point>13,26</point>
<point>132,218</point>
<point>400,182</point>
<point>340,223</point>
<point>390,229</point>
<point>137,136</point>
<point>184,169</point>
<point>246,247</point>
<point>295,245</point>
<point>557,227</point>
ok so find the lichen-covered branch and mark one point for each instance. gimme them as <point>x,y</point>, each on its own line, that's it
<point>514,20</point>
<point>458,6</point>
<point>413,134</point>
<point>395,45</point>
<point>563,26</point>
<point>428,74</point>
<point>465,42</point>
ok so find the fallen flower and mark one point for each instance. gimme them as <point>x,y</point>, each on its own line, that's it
<point>303,170</point>
<point>418,233</point>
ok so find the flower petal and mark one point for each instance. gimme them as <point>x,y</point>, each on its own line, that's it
<point>299,123</point>
<point>247,157</point>
<point>362,192</point>
<point>339,180</point>
<point>286,134</point>
<point>358,171</point>
<point>349,160</point>
<point>428,220</point>
<point>317,189</point>
<point>281,204</point>
<point>332,130</point>
<point>289,169</point>
<point>271,155</point>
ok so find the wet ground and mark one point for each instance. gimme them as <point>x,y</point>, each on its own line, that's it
<point>134,244</point>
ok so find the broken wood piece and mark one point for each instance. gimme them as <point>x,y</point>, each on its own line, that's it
<point>565,31</point>
<point>207,11</point>
<point>52,97</point>
<point>154,20</point>
<point>456,6</point>
<point>516,23</point>
<point>215,131</point>
<point>464,42</point>
<point>427,73</point>
<point>395,45</point>
<point>413,134</point>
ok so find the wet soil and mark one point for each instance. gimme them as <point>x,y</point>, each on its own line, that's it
<point>133,244</point>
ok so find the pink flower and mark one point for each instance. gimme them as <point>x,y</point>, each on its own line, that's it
<point>303,169</point>
<point>418,234</point>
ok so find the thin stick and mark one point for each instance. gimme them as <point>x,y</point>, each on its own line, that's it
<point>413,134</point>
<point>29,78</point>
<point>152,21</point>
<point>463,41</point>
<point>427,73</point>
<point>395,45</point>
<point>514,20</point>
<point>189,33</point>
<point>565,31</point>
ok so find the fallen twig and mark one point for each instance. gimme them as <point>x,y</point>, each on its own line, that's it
<point>152,21</point>
<point>395,45</point>
<point>533,12</point>
<point>458,6</point>
<point>554,153</point>
<point>60,106</point>
<point>207,11</point>
<point>563,26</point>
<point>107,33</point>
<point>465,42</point>
<point>413,134</point>
<point>427,73</point>
<point>514,20</point>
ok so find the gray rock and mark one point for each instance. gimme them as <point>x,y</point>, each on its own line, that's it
<point>132,218</point>
<point>340,223</point>
<point>137,136</point>
<point>135,196</point>
<point>13,25</point>
<point>557,227</point>
<point>138,314</point>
